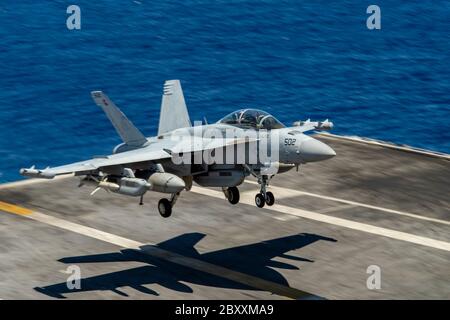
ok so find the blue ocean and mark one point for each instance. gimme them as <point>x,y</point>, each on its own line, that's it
<point>296,59</point>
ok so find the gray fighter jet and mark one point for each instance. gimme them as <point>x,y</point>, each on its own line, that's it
<point>245,142</point>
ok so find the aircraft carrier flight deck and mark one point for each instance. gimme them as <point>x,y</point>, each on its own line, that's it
<point>333,223</point>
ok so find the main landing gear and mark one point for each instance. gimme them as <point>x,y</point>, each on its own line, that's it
<point>232,194</point>
<point>264,197</point>
<point>165,205</point>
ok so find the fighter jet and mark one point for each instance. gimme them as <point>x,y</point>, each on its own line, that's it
<point>243,143</point>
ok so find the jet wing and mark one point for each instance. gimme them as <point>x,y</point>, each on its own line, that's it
<point>129,157</point>
<point>158,150</point>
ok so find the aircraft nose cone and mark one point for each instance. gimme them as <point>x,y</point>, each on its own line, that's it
<point>314,150</point>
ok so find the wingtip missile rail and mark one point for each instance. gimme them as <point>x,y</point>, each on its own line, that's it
<point>36,173</point>
<point>318,125</point>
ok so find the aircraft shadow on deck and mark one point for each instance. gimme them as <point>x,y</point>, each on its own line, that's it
<point>253,259</point>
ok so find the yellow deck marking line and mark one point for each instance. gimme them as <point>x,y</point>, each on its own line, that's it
<point>359,204</point>
<point>398,235</point>
<point>153,250</point>
<point>11,208</point>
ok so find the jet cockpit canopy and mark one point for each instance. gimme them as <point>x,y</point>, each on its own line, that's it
<point>252,119</point>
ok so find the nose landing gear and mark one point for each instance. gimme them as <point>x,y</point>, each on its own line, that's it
<point>259,200</point>
<point>270,198</point>
<point>264,197</point>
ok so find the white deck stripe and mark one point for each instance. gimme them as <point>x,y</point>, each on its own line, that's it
<point>280,195</point>
<point>336,208</point>
<point>292,192</point>
<point>437,244</point>
<point>430,153</point>
<point>87,231</point>
<point>249,196</point>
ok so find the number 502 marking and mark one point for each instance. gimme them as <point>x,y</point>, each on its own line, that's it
<point>289,141</point>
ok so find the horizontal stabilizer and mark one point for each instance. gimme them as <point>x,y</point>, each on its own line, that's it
<point>126,130</point>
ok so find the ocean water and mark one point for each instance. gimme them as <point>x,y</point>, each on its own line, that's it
<point>295,59</point>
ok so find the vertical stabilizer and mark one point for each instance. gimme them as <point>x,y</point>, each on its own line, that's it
<point>174,114</point>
